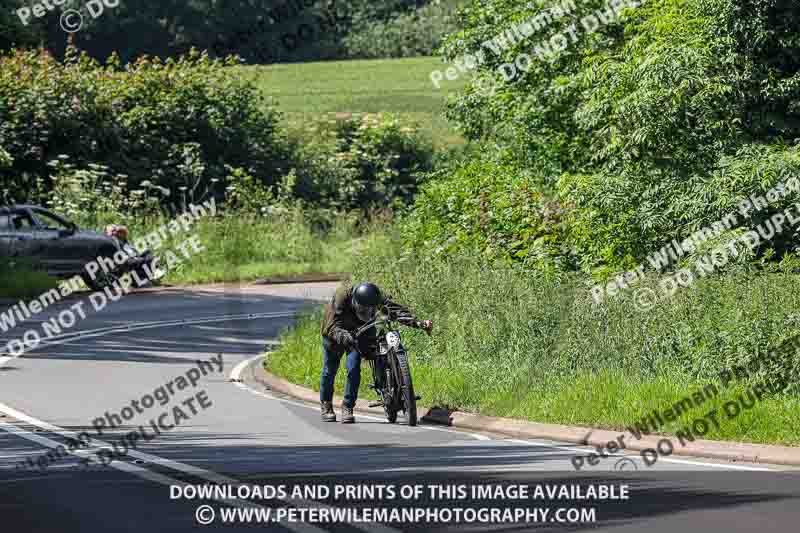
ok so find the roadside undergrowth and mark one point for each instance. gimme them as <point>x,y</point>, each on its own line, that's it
<point>509,343</point>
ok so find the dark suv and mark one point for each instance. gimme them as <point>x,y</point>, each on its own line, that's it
<point>51,242</point>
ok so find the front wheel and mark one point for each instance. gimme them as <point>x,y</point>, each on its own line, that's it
<point>407,389</point>
<point>391,413</point>
<point>383,385</point>
<point>389,406</point>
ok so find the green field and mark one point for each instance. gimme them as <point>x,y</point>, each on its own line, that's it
<point>403,86</point>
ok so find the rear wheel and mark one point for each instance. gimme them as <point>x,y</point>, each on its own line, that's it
<point>407,389</point>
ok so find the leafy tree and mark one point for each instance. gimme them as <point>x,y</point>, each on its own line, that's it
<point>12,30</point>
<point>261,31</point>
<point>643,127</point>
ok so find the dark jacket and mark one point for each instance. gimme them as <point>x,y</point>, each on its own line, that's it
<point>340,316</point>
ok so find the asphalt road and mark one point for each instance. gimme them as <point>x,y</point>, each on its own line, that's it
<point>232,432</point>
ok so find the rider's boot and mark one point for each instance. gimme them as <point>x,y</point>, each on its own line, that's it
<point>327,412</point>
<point>347,415</point>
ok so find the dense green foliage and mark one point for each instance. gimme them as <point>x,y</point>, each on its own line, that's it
<point>359,162</point>
<point>185,127</point>
<point>492,207</point>
<point>261,31</point>
<point>408,34</point>
<point>642,131</point>
<point>175,124</point>
<point>511,344</point>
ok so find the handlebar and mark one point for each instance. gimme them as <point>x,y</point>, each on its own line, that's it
<point>369,325</point>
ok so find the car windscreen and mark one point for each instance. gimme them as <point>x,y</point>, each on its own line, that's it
<point>22,222</point>
<point>49,221</point>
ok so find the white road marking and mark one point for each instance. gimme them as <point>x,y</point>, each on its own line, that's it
<point>238,369</point>
<point>160,478</point>
<point>583,451</point>
<point>65,338</point>
<point>142,472</point>
<point>122,466</point>
<point>195,471</point>
<point>236,374</point>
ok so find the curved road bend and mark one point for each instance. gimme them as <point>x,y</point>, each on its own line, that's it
<point>244,434</point>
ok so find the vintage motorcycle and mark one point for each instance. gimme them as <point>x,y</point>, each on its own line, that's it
<point>391,371</point>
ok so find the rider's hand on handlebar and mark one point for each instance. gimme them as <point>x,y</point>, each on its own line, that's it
<point>348,340</point>
<point>426,325</point>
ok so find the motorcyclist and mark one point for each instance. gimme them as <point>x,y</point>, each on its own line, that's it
<point>349,309</point>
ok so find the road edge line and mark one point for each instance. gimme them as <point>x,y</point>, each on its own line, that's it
<point>726,451</point>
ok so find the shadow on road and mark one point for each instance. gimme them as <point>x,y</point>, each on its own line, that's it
<point>652,495</point>
<point>162,344</point>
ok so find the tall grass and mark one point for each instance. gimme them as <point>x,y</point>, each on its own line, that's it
<point>240,247</point>
<point>235,247</point>
<point>512,344</point>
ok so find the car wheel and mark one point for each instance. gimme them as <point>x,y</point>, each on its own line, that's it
<point>100,281</point>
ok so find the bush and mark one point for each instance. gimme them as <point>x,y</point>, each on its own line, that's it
<point>365,162</point>
<point>491,207</point>
<point>182,128</point>
<point>646,129</point>
<point>410,34</point>
<point>178,123</point>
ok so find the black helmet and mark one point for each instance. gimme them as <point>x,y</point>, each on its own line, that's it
<point>366,299</point>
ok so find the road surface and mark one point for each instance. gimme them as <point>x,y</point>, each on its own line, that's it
<point>233,434</point>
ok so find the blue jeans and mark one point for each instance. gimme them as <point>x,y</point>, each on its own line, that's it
<point>330,366</point>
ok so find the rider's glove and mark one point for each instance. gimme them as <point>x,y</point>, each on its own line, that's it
<point>347,340</point>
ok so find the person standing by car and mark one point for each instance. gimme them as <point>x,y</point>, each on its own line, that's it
<point>136,262</point>
<point>349,309</point>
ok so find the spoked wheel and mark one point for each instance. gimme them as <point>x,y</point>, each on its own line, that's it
<point>391,413</point>
<point>407,389</point>
<point>385,393</point>
<point>389,406</point>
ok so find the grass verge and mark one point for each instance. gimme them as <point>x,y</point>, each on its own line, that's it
<point>510,344</point>
<point>236,248</point>
<point>244,249</point>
